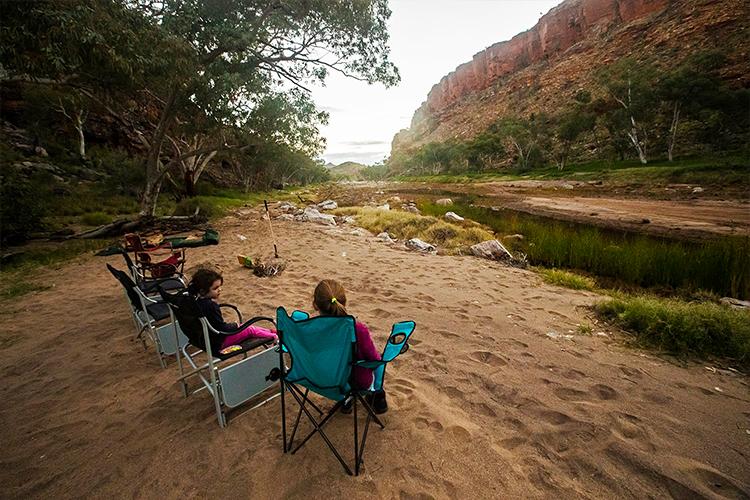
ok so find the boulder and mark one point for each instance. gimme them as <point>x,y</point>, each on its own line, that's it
<point>385,237</point>
<point>491,249</point>
<point>285,217</point>
<point>328,205</point>
<point>419,245</point>
<point>453,217</point>
<point>410,207</point>
<point>697,189</point>
<point>312,215</point>
<point>444,201</point>
<point>384,206</point>
<point>513,237</point>
<point>285,206</point>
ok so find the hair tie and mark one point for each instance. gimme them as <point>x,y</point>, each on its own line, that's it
<point>333,300</point>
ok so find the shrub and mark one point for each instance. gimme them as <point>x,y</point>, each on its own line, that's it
<point>188,206</point>
<point>21,208</point>
<point>451,238</point>
<point>96,219</point>
<point>683,327</point>
<point>567,279</point>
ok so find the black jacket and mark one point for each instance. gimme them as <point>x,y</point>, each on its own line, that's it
<point>212,312</point>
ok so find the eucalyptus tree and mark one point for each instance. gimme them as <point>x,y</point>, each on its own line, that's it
<point>240,51</point>
<point>190,63</point>
<point>630,84</point>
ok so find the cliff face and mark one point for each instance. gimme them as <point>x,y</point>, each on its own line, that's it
<point>542,67</point>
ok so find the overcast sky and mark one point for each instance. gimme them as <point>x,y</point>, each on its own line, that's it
<point>429,39</point>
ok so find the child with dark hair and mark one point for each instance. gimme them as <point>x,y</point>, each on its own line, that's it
<point>206,287</point>
<point>329,299</point>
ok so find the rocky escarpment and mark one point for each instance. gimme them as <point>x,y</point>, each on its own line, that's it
<point>543,67</point>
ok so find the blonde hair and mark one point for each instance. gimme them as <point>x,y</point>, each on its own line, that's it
<point>330,298</point>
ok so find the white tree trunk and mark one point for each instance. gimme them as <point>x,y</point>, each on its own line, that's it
<point>673,129</point>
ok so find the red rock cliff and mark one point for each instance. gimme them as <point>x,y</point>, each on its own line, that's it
<point>570,40</point>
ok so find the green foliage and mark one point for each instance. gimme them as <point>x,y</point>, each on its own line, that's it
<point>96,219</point>
<point>21,207</point>
<point>48,255</point>
<point>19,289</point>
<point>682,327</point>
<point>567,279</point>
<point>377,172</point>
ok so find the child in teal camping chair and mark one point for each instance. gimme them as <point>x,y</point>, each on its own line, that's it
<point>329,299</point>
<point>206,287</point>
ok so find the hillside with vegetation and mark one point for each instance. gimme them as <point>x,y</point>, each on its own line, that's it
<point>592,81</point>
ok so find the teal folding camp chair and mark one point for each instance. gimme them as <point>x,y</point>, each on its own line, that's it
<point>321,353</point>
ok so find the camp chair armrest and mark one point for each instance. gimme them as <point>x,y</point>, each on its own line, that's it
<point>231,306</point>
<point>248,323</point>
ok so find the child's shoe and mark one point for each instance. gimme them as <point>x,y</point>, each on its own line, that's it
<point>378,402</point>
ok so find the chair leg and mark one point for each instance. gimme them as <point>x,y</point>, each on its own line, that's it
<point>294,387</point>
<point>319,430</point>
<point>283,413</point>
<point>299,414</point>
<point>356,438</point>
<point>370,411</point>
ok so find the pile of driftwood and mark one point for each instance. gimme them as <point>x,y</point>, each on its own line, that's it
<point>166,224</point>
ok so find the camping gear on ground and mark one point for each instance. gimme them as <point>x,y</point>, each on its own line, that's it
<point>229,375</point>
<point>150,318</point>
<point>149,256</point>
<point>322,352</point>
<point>210,237</point>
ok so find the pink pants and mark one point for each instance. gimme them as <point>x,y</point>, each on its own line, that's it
<point>249,332</point>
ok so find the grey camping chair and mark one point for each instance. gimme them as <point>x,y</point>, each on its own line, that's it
<point>232,378</point>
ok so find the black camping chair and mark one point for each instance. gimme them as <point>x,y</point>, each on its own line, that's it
<point>150,317</point>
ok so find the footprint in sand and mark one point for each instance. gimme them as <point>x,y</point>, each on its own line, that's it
<point>717,482</point>
<point>402,387</point>
<point>512,443</point>
<point>514,343</point>
<point>570,394</point>
<point>488,358</point>
<point>424,423</point>
<point>459,433</point>
<point>656,397</point>
<point>631,372</point>
<point>381,313</point>
<point>447,334</point>
<point>553,417</point>
<point>604,391</point>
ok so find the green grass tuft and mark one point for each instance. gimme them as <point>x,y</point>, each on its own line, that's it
<point>720,265</point>
<point>20,288</point>
<point>96,219</point>
<point>683,327</point>
<point>567,279</point>
<point>449,237</point>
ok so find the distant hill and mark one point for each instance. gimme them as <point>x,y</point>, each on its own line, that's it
<point>347,170</point>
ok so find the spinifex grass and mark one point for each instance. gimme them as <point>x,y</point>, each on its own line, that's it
<point>567,279</point>
<point>404,225</point>
<point>721,265</point>
<point>683,327</point>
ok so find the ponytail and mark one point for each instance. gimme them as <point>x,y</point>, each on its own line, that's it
<point>330,298</point>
